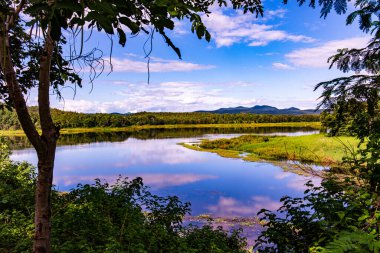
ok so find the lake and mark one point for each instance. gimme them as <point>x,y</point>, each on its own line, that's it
<point>217,186</point>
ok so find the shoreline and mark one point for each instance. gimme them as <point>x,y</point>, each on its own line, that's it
<point>315,125</point>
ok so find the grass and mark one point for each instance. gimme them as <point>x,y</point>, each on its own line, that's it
<point>316,148</point>
<point>315,125</point>
<point>221,152</point>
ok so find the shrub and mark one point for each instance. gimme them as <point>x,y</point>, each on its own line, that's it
<point>122,217</point>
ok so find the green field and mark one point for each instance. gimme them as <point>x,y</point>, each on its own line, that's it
<point>316,148</point>
<point>315,125</point>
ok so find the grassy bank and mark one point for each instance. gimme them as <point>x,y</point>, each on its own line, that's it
<point>315,125</point>
<point>316,148</point>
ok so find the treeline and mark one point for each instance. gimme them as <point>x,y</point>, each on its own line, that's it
<point>8,119</point>
<point>21,142</point>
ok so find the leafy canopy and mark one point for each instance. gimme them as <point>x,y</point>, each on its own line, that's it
<point>64,20</point>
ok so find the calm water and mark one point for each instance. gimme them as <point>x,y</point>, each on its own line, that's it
<point>214,185</point>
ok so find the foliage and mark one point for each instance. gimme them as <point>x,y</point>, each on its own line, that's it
<point>26,52</point>
<point>104,218</point>
<point>51,19</point>
<point>16,203</point>
<point>341,215</point>
<point>346,242</point>
<point>324,215</point>
<point>337,216</point>
<point>208,239</point>
<point>351,108</point>
<point>122,217</point>
<point>354,100</point>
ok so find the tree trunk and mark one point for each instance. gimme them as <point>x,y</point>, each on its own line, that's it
<point>44,144</point>
<point>46,155</point>
<point>43,199</point>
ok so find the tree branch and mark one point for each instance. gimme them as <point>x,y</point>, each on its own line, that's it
<point>47,124</point>
<point>19,7</point>
<point>17,11</point>
<point>15,91</point>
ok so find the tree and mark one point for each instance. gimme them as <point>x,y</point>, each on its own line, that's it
<point>342,215</point>
<point>32,45</point>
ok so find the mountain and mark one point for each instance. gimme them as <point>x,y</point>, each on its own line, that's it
<point>121,114</point>
<point>264,109</point>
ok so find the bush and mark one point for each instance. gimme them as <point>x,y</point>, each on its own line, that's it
<point>123,217</point>
<point>17,181</point>
<point>341,215</point>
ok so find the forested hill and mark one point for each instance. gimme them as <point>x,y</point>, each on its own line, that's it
<point>8,119</point>
<point>264,109</point>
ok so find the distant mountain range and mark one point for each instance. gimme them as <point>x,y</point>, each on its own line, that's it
<point>264,109</point>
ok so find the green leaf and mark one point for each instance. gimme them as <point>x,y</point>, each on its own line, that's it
<point>122,37</point>
<point>69,5</point>
<point>207,36</point>
<point>162,3</point>
<point>170,43</point>
<point>101,20</point>
<point>130,24</point>
<point>363,217</point>
<point>341,214</point>
<point>103,6</point>
<point>200,30</point>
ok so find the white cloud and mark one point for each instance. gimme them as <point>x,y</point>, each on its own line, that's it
<point>180,28</point>
<point>297,182</point>
<point>316,57</point>
<point>279,65</point>
<point>238,28</point>
<point>156,65</point>
<point>314,26</point>
<point>279,13</point>
<point>166,96</point>
<point>74,105</point>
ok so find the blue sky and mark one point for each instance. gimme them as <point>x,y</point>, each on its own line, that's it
<point>275,60</point>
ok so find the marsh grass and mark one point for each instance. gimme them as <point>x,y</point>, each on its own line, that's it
<point>317,148</point>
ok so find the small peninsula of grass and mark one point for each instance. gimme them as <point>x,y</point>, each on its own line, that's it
<point>316,148</point>
<point>315,125</point>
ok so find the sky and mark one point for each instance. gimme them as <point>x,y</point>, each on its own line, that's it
<point>274,60</point>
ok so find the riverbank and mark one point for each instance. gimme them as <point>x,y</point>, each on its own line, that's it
<point>315,125</point>
<point>316,148</point>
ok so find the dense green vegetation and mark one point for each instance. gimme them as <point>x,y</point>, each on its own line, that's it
<point>8,119</point>
<point>341,215</point>
<point>316,148</point>
<point>124,217</point>
<point>346,118</point>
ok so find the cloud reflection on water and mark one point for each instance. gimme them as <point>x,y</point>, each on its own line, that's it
<point>125,154</point>
<point>153,180</point>
<point>296,182</point>
<point>231,207</point>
